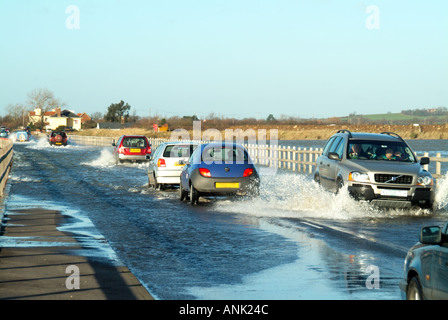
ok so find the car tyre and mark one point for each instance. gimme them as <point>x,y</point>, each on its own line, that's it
<point>339,185</point>
<point>414,290</point>
<point>157,186</point>
<point>194,196</point>
<point>182,193</point>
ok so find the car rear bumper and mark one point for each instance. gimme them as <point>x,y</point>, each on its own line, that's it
<point>168,180</point>
<point>393,196</point>
<point>133,157</point>
<point>225,185</point>
<point>59,143</point>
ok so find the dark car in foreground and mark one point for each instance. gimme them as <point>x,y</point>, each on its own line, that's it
<point>57,138</point>
<point>217,169</point>
<point>134,148</point>
<point>426,266</point>
<point>378,168</point>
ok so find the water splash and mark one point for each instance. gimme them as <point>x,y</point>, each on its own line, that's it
<point>289,195</point>
<point>105,160</point>
<point>441,198</point>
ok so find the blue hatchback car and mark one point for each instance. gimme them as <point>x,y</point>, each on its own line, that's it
<point>426,266</point>
<point>218,169</point>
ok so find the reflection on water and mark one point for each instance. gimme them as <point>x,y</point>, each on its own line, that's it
<point>319,272</point>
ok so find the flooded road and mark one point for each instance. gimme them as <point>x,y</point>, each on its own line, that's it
<point>295,241</point>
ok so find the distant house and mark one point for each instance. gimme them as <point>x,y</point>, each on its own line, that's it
<point>56,118</point>
<point>84,117</point>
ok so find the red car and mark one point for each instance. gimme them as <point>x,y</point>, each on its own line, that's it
<point>132,148</point>
<point>58,138</point>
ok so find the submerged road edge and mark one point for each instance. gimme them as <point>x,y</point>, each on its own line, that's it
<point>40,262</point>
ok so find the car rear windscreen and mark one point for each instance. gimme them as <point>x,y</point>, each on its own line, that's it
<point>134,142</point>
<point>226,154</point>
<point>178,151</point>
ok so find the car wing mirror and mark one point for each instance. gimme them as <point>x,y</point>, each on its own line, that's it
<point>424,160</point>
<point>431,235</point>
<point>333,156</point>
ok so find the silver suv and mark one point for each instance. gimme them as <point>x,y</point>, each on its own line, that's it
<point>380,168</point>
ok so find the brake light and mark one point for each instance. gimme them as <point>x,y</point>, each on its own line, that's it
<point>161,163</point>
<point>121,150</point>
<point>248,172</point>
<point>205,172</point>
<point>148,150</point>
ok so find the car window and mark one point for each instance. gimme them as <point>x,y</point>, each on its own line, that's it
<point>224,154</point>
<point>158,152</point>
<point>328,145</point>
<point>379,150</point>
<point>134,142</point>
<point>340,149</point>
<point>194,156</point>
<point>178,151</point>
<point>335,144</point>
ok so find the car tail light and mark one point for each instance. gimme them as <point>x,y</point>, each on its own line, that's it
<point>121,150</point>
<point>248,172</point>
<point>161,163</point>
<point>148,150</point>
<point>205,172</point>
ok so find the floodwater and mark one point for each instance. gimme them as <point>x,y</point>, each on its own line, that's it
<point>296,241</point>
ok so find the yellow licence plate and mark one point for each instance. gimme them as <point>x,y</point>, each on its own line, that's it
<point>230,185</point>
<point>135,150</point>
<point>179,164</point>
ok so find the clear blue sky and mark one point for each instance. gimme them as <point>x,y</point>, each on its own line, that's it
<point>241,58</point>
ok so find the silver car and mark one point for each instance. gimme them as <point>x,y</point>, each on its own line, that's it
<point>167,162</point>
<point>379,168</point>
<point>425,266</point>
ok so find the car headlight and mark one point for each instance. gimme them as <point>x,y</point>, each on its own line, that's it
<point>358,177</point>
<point>425,181</point>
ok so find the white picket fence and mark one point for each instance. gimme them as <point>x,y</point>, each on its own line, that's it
<point>282,157</point>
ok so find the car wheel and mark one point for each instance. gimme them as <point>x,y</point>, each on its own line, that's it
<point>414,290</point>
<point>194,196</point>
<point>339,185</point>
<point>156,184</point>
<point>182,193</point>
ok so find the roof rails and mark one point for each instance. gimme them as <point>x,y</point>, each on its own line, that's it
<point>345,131</point>
<point>393,134</point>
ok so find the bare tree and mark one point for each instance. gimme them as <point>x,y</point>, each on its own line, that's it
<point>44,100</point>
<point>17,114</point>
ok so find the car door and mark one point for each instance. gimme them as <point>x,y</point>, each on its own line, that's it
<point>333,167</point>
<point>440,269</point>
<point>186,171</point>
<point>322,163</point>
<point>152,165</point>
<point>116,146</point>
<point>328,165</point>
